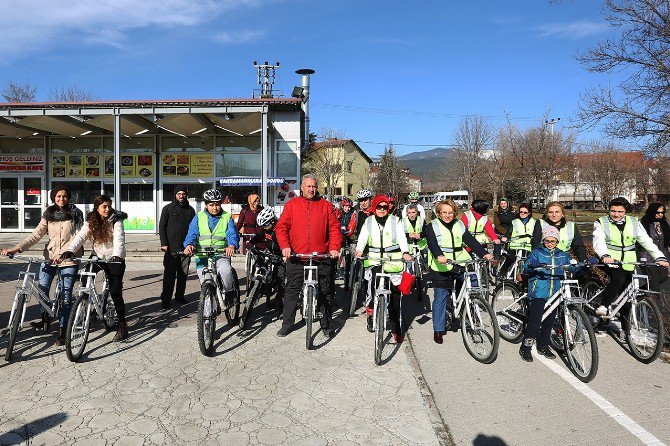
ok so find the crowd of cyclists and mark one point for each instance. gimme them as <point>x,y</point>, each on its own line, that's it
<point>371,229</point>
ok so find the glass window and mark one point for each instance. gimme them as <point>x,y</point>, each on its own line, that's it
<point>195,190</point>
<point>76,145</point>
<point>24,145</point>
<point>350,189</point>
<point>188,144</point>
<point>238,143</point>
<point>83,192</point>
<point>287,146</point>
<point>238,164</point>
<point>132,192</point>
<point>287,164</point>
<point>131,145</point>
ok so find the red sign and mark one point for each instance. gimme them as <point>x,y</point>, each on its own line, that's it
<point>33,191</point>
<point>22,163</point>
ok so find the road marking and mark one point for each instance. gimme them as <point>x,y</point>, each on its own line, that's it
<point>624,420</point>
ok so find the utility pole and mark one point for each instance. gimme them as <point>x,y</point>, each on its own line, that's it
<point>266,77</point>
<point>551,122</point>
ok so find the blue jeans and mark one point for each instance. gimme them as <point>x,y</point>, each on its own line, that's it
<point>68,275</point>
<point>440,299</point>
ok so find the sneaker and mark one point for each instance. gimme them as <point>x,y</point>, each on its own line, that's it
<point>60,338</point>
<point>602,311</point>
<point>525,353</point>
<point>121,332</point>
<point>283,331</point>
<point>165,305</point>
<point>546,352</point>
<point>180,300</point>
<point>437,337</point>
<point>328,333</point>
<point>37,325</point>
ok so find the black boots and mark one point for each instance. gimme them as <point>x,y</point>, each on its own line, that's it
<point>121,332</point>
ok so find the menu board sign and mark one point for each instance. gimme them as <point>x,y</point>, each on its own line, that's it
<point>22,163</point>
<point>97,166</point>
<point>187,164</point>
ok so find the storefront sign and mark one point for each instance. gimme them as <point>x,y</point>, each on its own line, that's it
<point>187,164</point>
<point>22,163</point>
<point>237,181</point>
<point>97,166</point>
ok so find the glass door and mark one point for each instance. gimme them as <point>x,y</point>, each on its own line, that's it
<point>21,199</point>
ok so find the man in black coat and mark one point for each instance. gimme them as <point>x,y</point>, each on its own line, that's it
<point>173,227</point>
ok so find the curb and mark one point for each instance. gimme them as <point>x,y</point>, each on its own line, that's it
<point>439,426</point>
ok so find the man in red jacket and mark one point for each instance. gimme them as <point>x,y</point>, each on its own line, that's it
<point>308,225</point>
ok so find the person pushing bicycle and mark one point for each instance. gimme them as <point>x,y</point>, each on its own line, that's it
<point>213,227</point>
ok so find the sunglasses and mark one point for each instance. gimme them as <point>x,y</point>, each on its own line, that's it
<point>660,212</point>
<point>523,212</point>
<point>383,207</point>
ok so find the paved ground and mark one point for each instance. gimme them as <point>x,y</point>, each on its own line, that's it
<point>157,388</point>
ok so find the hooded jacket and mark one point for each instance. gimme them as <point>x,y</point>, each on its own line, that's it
<point>543,283</point>
<point>309,225</point>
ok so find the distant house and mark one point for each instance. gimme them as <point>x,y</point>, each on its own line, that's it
<point>343,168</point>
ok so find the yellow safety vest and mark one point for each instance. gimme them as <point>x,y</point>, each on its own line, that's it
<point>384,241</point>
<point>451,244</point>
<point>522,234</point>
<point>217,237</point>
<point>566,234</point>
<point>621,248</point>
<point>476,227</point>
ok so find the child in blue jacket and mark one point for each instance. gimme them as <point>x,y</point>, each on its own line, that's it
<point>542,284</point>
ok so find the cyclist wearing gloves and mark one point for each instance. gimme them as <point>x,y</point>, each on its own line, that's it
<point>104,229</point>
<point>542,284</point>
<point>614,239</point>
<point>60,221</point>
<point>213,227</point>
<point>447,238</point>
<point>413,198</point>
<point>571,238</point>
<point>267,239</point>
<point>383,236</point>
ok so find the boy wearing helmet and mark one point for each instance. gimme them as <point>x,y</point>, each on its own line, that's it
<point>266,238</point>
<point>213,227</point>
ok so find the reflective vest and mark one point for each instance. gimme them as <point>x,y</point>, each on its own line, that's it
<point>476,227</point>
<point>621,248</point>
<point>566,234</point>
<point>216,238</point>
<point>418,226</point>
<point>384,242</point>
<point>451,244</point>
<point>522,234</point>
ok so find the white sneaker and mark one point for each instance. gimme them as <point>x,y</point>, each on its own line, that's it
<point>602,311</point>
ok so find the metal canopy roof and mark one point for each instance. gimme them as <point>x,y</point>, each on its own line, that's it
<point>241,117</point>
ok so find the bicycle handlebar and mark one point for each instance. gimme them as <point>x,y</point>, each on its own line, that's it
<point>313,255</point>
<point>25,258</point>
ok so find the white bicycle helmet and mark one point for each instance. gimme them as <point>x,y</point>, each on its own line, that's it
<point>363,194</point>
<point>265,217</point>
<point>211,195</point>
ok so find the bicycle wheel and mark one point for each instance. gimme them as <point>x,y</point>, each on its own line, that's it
<point>380,319</point>
<point>355,288</point>
<point>582,351</point>
<point>479,329</point>
<point>78,327</point>
<point>232,301</point>
<point>419,288</point>
<point>109,317</point>
<point>647,337</point>
<point>556,337</point>
<point>207,318</point>
<point>511,310</point>
<point>14,326</point>
<point>249,304</point>
<point>309,317</point>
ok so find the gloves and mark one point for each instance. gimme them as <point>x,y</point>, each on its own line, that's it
<point>115,259</point>
<point>66,255</point>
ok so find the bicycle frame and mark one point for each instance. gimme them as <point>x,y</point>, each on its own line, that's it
<point>209,275</point>
<point>467,288</point>
<point>88,286</point>
<point>310,280</point>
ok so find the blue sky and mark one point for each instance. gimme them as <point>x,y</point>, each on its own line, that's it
<point>399,72</point>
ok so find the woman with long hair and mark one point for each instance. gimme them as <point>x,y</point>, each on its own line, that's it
<point>656,225</point>
<point>60,222</point>
<point>104,229</point>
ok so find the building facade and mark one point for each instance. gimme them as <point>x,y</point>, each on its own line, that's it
<point>137,151</point>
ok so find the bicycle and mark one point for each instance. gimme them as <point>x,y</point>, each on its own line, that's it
<point>87,306</point>
<point>645,333</point>
<point>572,333</point>
<point>249,258</point>
<point>416,270</point>
<point>25,288</point>
<point>310,291</point>
<point>508,284</point>
<point>479,326</point>
<point>214,300</point>
<point>355,282</point>
<point>265,263</point>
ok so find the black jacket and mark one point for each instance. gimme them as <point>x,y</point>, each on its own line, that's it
<point>577,247</point>
<point>173,225</point>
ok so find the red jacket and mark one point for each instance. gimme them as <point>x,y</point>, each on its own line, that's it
<point>308,226</point>
<point>488,227</point>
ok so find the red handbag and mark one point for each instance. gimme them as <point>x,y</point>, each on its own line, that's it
<point>406,283</point>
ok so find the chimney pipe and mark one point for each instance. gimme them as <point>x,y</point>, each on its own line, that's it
<point>305,73</point>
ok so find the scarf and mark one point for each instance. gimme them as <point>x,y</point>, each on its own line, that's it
<point>69,212</point>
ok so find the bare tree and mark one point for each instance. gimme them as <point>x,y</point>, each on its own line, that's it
<point>325,160</point>
<point>71,93</point>
<point>392,175</point>
<point>15,92</point>
<point>471,139</point>
<point>638,106</point>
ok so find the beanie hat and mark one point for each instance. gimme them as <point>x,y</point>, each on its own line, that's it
<point>379,199</point>
<point>550,231</point>
<point>180,188</point>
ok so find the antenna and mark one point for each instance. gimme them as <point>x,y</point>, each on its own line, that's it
<point>266,78</point>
